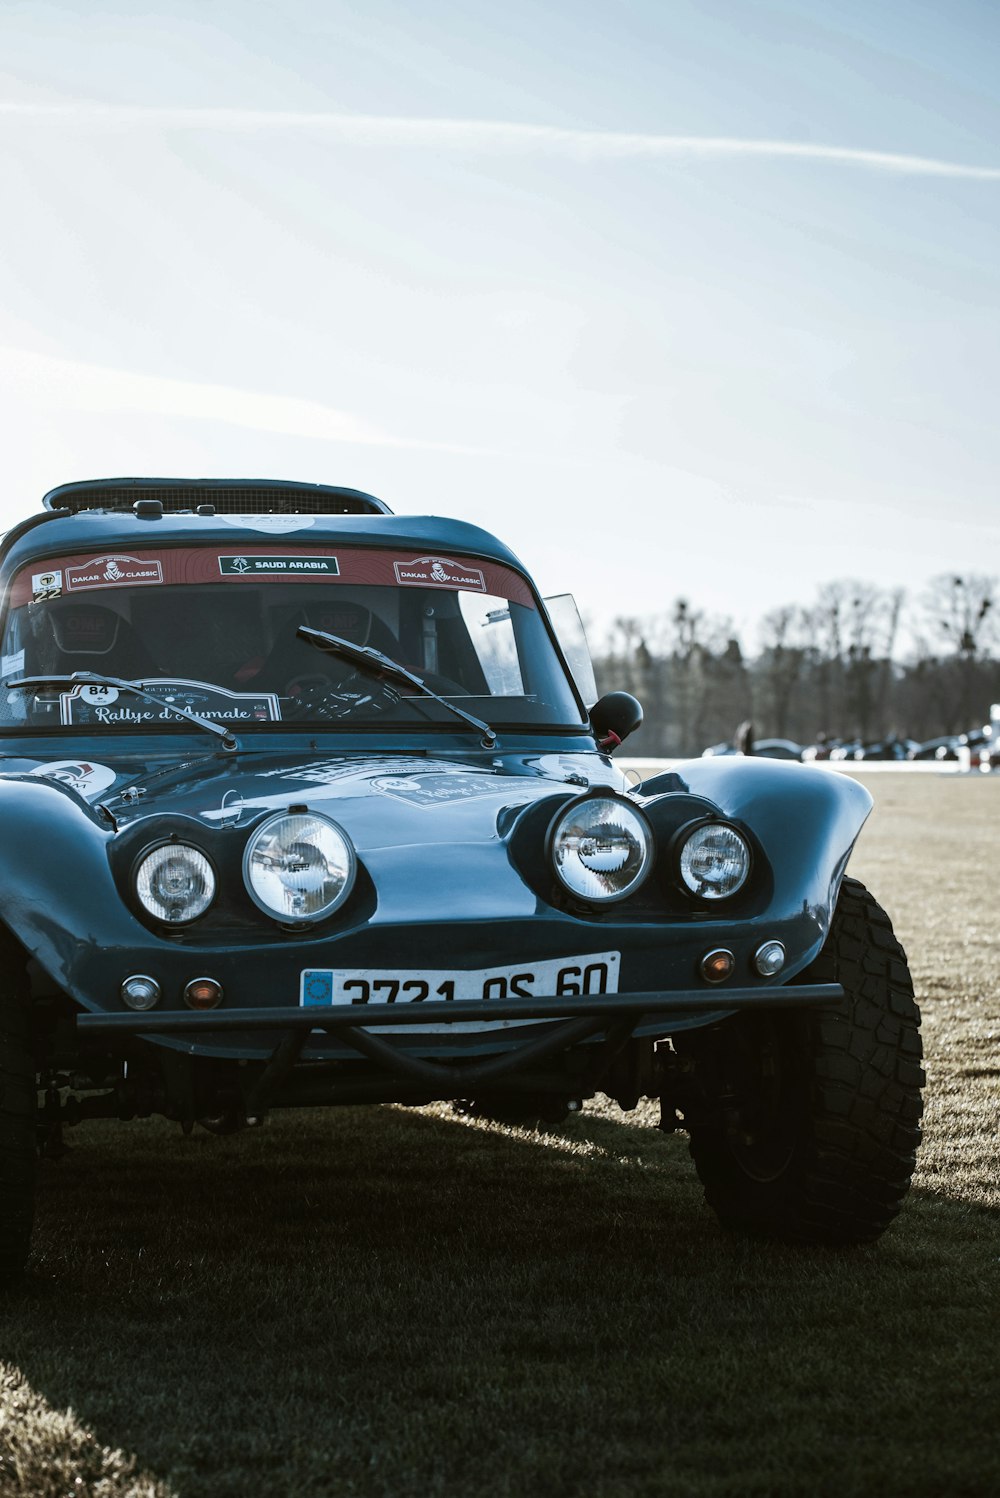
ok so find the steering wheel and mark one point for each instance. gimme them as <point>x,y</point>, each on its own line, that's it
<point>318,698</point>
<point>309,682</point>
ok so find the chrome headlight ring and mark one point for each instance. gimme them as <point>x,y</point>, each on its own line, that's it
<point>712,859</point>
<point>600,848</point>
<point>174,882</point>
<point>299,867</point>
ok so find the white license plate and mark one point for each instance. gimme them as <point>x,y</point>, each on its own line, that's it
<point>596,972</point>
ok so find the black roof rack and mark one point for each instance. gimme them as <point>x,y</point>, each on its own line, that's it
<point>223,496</point>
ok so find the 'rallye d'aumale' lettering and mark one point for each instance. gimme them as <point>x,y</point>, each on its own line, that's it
<point>302,802</point>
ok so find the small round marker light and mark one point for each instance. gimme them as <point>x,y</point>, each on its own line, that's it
<point>717,966</point>
<point>140,992</point>
<point>202,993</point>
<point>769,958</point>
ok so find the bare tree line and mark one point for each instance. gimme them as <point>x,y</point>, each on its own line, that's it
<point>835,668</point>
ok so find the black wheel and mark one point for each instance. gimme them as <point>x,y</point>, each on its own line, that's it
<point>820,1134</point>
<point>18,1106</point>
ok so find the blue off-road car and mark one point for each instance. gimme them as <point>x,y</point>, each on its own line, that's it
<point>303,803</point>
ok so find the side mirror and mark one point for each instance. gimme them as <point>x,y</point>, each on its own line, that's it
<point>614,717</point>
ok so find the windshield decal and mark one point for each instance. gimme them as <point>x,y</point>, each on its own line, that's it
<point>439,572</point>
<point>253,566</point>
<point>113,572</point>
<point>93,703</point>
<point>96,694</point>
<point>87,779</point>
<point>46,585</point>
<point>192,566</point>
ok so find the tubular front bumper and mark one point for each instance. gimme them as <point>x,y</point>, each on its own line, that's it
<point>339,1017</point>
<point>578,1019</point>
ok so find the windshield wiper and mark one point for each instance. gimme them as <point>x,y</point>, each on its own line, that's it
<point>93,679</point>
<point>377,664</point>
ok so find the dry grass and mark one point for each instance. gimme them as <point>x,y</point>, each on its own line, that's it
<point>390,1302</point>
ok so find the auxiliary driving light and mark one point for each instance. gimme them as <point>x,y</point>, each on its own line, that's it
<point>140,992</point>
<point>299,867</point>
<point>769,958</point>
<point>717,966</point>
<point>202,993</point>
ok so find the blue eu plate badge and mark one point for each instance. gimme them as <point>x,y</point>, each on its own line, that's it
<point>317,986</point>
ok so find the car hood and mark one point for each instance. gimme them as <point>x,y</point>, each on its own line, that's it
<point>398,798</point>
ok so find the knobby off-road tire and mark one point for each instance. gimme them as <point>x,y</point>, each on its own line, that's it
<point>18,1106</point>
<point>827,1148</point>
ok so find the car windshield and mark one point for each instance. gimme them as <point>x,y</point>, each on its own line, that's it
<point>215,633</point>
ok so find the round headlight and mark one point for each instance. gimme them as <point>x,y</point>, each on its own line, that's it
<point>175,882</point>
<point>299,867</point>
<point>714,861</point>
<point>601,848</point>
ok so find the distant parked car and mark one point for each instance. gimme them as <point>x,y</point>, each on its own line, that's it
<point>762,748</point>
<point>847,749</point>
<point>891,748</point>
<point>778,749</point>
<point>944,747</point>
<point>821,750</point>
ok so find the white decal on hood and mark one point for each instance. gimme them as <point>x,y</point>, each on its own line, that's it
<point>432,790</point>
<point>87,779</point>
<point>327,771</point>
<point>436,782</point>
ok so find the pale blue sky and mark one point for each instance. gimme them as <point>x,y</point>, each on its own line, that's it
<point>652,364</point>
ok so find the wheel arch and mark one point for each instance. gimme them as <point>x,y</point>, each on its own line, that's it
<point>806,820</point>
<point>53,860</point>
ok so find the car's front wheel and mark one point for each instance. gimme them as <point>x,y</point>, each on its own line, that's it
<point>819,1137</point>
<point>18,1106</point>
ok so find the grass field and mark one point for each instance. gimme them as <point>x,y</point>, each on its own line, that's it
<point>405,1303</point>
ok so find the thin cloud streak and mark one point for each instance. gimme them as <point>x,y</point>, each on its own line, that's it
<point>56,384</point>
<point>487,136</point>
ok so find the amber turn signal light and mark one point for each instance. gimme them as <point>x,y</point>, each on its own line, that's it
<point>203,993</point>
<point>716,966</point>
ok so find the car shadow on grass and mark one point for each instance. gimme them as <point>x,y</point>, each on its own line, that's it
<point>379,1300</point>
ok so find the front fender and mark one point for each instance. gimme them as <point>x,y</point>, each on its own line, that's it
<point>806,819</point>
<point>53,859</point>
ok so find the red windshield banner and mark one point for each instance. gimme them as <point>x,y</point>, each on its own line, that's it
<point>329,563</point>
